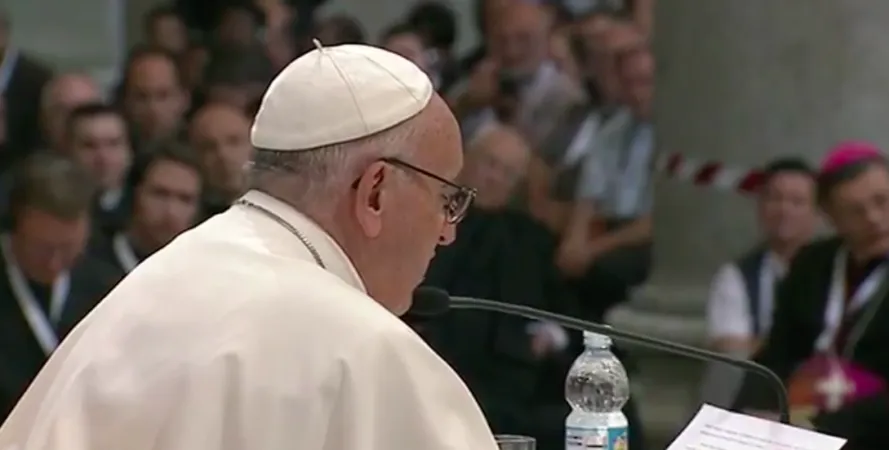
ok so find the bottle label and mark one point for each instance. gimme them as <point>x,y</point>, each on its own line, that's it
<point>596,438</point>
<point>618,439</point>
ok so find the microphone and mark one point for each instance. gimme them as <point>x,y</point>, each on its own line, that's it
<point>433,299</point>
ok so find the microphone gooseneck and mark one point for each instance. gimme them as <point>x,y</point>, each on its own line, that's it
<point>437,297</point>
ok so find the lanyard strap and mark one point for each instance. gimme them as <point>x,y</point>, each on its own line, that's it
<point>124,253</point>
<point>42,327</point>
<point>837,307</point>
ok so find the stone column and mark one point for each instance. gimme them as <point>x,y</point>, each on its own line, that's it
<point>83,35</point>
<point>743,82</point>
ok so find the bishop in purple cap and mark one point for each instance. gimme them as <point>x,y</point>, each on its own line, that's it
<point>831,321</point>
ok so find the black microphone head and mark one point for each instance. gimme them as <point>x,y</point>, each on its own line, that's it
<point>429,302</point>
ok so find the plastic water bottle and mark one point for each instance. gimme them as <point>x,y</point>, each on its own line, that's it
<point>597,389</point>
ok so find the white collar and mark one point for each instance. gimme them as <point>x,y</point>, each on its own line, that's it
<point>336,261</point>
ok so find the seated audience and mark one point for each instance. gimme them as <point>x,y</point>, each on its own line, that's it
<point>518,83</point>
<point>741,302</point>
<point>606,245</point>
<point>62,95</point>
<point>98,139</point>
<point>48,284</point>
<point>829,327</point>
<point>220,136</point>
<point>555,169</point>
<point>166,192</point>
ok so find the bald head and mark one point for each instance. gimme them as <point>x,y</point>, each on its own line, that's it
<point>520,37</point>
<point>220,135</point>
<point>496,161</point>
<point>60,96</point>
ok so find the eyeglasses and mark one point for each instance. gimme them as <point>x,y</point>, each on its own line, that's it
<point>456,202</point>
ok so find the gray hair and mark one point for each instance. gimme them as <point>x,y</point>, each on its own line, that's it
<point>317,175</point>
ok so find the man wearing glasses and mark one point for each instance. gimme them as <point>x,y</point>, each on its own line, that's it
<point>274,325</point>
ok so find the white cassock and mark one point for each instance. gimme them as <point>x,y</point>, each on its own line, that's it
<point>233,338</point>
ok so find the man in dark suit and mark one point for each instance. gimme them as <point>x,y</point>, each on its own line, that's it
<point>47,284</point>
<point>22,79</point>
<point>829,329</point>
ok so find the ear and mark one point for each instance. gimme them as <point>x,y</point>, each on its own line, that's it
<point>369,198</point>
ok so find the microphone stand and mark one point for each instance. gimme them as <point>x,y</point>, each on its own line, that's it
<point>632,339</point>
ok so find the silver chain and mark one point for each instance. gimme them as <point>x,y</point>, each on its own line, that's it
<point>302,238</point>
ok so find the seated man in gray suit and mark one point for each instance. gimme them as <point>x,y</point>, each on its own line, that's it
<point>519,84</point>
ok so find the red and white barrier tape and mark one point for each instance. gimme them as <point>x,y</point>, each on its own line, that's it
<point>709,173</point>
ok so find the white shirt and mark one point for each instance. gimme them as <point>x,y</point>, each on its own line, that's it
<point>233,338</point>
<point>729,316</point>
<point>728,306</point>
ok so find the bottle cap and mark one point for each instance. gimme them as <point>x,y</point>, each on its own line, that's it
<point>591,339</point>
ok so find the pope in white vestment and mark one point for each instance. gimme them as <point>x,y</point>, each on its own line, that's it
<point>233,337</point>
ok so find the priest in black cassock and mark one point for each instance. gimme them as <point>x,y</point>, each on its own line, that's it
<point>165,191</point>
<point>47,284</point>
<point>515,368</point>
<point>831,323</point>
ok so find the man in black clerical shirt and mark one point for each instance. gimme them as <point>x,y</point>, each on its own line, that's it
<point>47,284</point>
<point>166,191</point>
<point>829,329</point>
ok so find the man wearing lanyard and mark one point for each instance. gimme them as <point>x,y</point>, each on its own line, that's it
<point>829,329</point>
<point>46,286</point>
<point>164,200</point>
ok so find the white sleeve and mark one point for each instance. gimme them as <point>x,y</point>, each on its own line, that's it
<point>397,394</point>
<point>727,306</point>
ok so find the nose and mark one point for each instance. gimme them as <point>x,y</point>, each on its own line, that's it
<point>448,234</point>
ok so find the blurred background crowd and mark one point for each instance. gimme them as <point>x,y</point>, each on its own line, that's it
<point>555,102</point>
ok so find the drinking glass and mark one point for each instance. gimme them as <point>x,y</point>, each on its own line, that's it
<point>515,442</point>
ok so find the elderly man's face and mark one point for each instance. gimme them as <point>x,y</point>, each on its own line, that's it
<point>155,99</point>
<point>494,167</point>
<point>403,213</point>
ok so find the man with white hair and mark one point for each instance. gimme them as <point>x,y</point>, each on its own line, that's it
<point>274,325</point>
